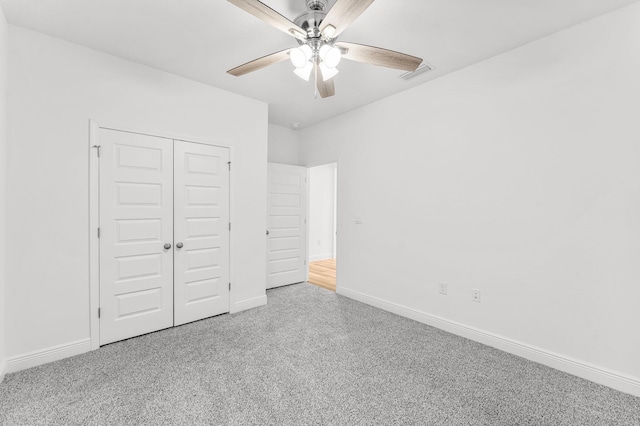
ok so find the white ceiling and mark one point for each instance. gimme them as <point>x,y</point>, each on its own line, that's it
<point>202,39</point>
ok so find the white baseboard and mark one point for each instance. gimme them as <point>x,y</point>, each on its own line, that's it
<point>603,376</point>
<point>44,356</point>
<point>313,258</point>
<point>243,305</point>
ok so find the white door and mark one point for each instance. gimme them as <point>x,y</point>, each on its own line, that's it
<point>286,239</point>
<point>201,196</point>
<point>154,192</point>
<point>136,222</point>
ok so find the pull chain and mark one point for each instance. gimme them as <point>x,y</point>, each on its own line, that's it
<point>315,77</point>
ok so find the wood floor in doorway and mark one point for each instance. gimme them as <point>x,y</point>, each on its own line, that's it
<point>323,273</point>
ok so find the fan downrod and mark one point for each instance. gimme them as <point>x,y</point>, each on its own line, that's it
<point>320,5</point>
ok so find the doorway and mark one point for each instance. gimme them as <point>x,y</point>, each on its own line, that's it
<point>323,183</point>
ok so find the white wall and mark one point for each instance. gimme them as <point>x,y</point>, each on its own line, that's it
<point>284,147</point>
<point>518,176</point>
<point>56,87</point>
<point>321,211</point>
<point>3,175</point>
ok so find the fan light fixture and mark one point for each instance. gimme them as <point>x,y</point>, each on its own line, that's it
<point>301,55</point>
<point>328,72</point>
<point>327,57</point>
<point>331,56</point>
<point>304,72</point>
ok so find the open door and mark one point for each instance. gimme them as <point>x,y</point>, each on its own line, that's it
<point>286,225</point>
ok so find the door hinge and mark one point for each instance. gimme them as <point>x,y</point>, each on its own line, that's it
<point>98,312</point>
<point>97,147</point>
<point>229,226</point>
<point>229,164</point>
<point>229,286</point>
<point>98,232</point>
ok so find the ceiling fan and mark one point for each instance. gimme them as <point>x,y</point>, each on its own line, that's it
<point>319,51</point>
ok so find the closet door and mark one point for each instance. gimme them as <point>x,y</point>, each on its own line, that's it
<point>201,231</point>
<point>136,234</point>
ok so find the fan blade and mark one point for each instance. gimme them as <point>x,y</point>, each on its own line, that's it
<point>342,14</point>
<point>270,16</point>
<point>260,63</point>
<point>325,88</point>
<point>379,56</point>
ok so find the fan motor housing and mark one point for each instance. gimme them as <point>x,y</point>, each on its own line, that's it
<point>310,22</point>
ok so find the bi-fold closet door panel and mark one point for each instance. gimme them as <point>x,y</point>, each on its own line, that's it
<point>201,231</point>
<point>156,195</point>
<point>136,221</point>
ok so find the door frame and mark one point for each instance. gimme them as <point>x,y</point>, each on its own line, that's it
<point>94,215</point>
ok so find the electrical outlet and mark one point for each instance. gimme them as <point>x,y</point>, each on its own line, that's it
<point>443,288</point>
<point>475,295</point>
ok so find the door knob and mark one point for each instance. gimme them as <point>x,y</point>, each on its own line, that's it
<point>267,232</point>
<point>167,246</point>
<point>179,245</point>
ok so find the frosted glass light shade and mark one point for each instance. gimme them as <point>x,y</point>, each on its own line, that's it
<point>328,72</point>
<point>300,55</point>
<point>306,49</point>
<point>305,71</point>
<point>297,57</point>
<point>323,51</point>
<point>332,57</point>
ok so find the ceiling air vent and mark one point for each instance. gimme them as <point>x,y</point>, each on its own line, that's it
<point>420,70</point>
